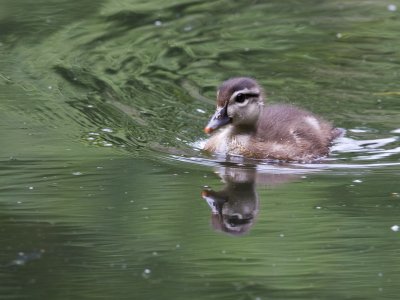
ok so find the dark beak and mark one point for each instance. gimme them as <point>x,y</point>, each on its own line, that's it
<point>219,119</point>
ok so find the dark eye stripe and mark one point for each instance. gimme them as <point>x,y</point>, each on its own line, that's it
<point>252,95</point>
<point>242,97</point>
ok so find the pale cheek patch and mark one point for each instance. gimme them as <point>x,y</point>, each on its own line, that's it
<point>254,112</point>
<point>313,122</point>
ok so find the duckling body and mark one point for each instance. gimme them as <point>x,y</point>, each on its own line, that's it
<point>279,132</point>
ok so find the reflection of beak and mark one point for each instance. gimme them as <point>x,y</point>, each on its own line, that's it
<point>207,195</point>
<point>219,119</point>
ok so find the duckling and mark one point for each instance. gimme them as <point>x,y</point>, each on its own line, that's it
<point>278,132</point>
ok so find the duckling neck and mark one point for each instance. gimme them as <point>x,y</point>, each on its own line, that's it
<point>243,129</point>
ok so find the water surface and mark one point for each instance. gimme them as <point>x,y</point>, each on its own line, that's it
<point>106,193</point>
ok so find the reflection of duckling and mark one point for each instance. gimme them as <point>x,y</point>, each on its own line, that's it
<point>235,208</point>
<point>281,132</point>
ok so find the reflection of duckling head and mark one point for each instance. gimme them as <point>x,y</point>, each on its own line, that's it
<point>234,209</point>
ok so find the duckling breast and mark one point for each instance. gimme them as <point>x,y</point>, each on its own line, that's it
<point>219,141</point>
<point>226,141</point>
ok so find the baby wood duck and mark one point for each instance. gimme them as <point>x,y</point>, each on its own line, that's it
<point>250,129</point>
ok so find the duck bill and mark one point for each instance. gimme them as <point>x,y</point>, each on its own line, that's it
<point>219,119</point>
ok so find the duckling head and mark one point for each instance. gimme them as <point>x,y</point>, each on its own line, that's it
<point>239,102</point>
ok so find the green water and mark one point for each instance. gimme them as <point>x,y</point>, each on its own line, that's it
<point>102,105</point>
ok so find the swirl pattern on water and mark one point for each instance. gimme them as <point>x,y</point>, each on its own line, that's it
<point>149,71</point>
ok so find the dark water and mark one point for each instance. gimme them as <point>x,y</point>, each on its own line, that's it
<point>102,105</point>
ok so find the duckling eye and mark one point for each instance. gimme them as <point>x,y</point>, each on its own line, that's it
<point>240,98</point>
